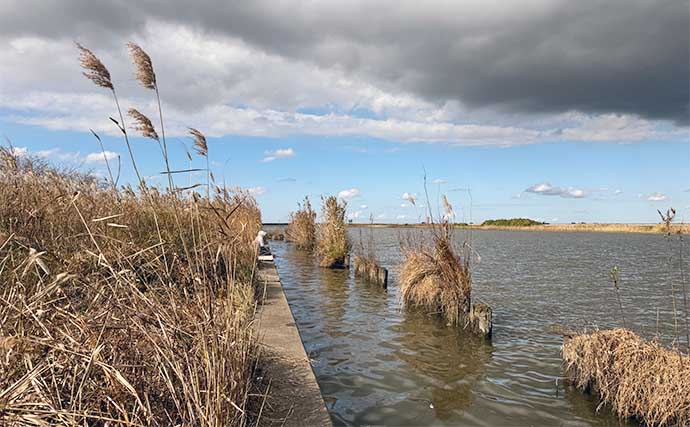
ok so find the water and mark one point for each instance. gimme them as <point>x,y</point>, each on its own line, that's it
<point>380,364</point>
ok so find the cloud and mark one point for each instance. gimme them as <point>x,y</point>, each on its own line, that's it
<point>401,217</point>
<point>19,151</point>
<point>355,215</point>
<point>349,194</point>
<point>281,153</point>
<point>55,154</point>
<point>411,198</point>
<point>484,76</point>
<point>287,179</point>
<point>656,197</point>
<point>481,53</point>
<point>381,216</point>
<point>363,206</point>
<point>100,157</point>
<point>439,181</point>
<point>256,191</point>
<point>546,189</point>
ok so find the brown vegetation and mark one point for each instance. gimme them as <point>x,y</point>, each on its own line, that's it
<point>301,229</point>
<point>333,244</point>
<point>434,276</point>
<point>637,378</point>
<point>122,307</point>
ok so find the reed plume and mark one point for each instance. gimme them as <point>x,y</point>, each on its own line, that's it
<point>94,69</point>
<point>143,124</point>
<point>144,66</point>
<point>200,145</point>
<point>201,148</point>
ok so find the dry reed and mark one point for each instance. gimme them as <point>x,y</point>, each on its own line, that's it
<point>94,330</point>
<point>142,124</point>
<point>301,229</point>
<point>637,378</point>
<point>123,308</point>
<point>433,276</point>
<point>333,243</point>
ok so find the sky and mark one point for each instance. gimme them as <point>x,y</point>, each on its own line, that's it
<point>556,110</point>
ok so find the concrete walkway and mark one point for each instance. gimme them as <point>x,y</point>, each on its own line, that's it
<point>294,395</point>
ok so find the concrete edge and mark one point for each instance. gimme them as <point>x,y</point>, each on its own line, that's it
<point>294,396</point>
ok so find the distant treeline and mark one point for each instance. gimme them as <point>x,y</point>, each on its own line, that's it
<point>513,222</point>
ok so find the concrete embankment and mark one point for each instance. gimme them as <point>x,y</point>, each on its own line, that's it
<point>294,397</point>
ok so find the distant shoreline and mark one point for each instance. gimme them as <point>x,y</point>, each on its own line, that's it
<point>590,227</point>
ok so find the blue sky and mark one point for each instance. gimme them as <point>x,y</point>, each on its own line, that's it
<point>554,110</point>
<point>619,181</point>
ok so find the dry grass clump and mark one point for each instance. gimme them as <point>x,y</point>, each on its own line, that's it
<point>301,229</point>
<point>96,327</point>
<point>333,244</point>
<point>123,307</point>
<point>435,277</point>
<point>638,378</point>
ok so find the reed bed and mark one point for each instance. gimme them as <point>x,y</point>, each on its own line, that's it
<point>433,276</point>
<point>123,306</point>
<point>637,378</point>
<point>333,243</point>
<point>301,229</point>
<point>96,328</point>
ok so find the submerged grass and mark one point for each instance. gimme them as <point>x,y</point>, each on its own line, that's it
<point>301,229</point>
<point>637,378</point>
<point>333,243</point>
<point>122,307</point>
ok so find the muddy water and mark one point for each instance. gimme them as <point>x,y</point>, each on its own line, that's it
<point>379,364</point>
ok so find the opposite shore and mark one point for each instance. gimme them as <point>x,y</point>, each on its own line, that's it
<point>588,227</point>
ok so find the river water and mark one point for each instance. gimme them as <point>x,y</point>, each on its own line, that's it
<point>380,364</point>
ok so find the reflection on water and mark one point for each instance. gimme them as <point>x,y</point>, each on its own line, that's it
<point>379,364</point>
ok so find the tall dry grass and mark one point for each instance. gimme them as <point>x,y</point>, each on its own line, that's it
<point>637,378</point>
<point>434,275</point>
<point>301,229</point>
<point>129,307</point>
<point>333,243</point>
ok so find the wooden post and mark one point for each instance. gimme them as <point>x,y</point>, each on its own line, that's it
<point>480,319</point>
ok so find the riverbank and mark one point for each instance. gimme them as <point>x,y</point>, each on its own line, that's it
<point>596,228</point>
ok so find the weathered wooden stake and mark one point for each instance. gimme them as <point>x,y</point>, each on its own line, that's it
<point>371,273</point>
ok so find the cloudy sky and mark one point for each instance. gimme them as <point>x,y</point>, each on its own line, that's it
<point>553,109</point>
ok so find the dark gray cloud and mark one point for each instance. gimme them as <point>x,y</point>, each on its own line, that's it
<point>624,56</point>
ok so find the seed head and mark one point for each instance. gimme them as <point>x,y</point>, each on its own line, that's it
<point>94,69</point>
<point>199,142</point>
<point>142,124</point>
<point>142,61</point>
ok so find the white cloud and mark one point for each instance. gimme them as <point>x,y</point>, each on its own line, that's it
<point>19,151</point>
<point>411,198</point>
<point>439,181</point>
<point>99,157</point>
<point>355,215</point>
<point>281,153</point>
<point>546,189</point>
<point>348,194</point>
<point>656,197</point>
<point>363,206</point>
<point>381,216</point>
<point>256,191</point>
<point>224,85</point>
<point>401,217</point>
